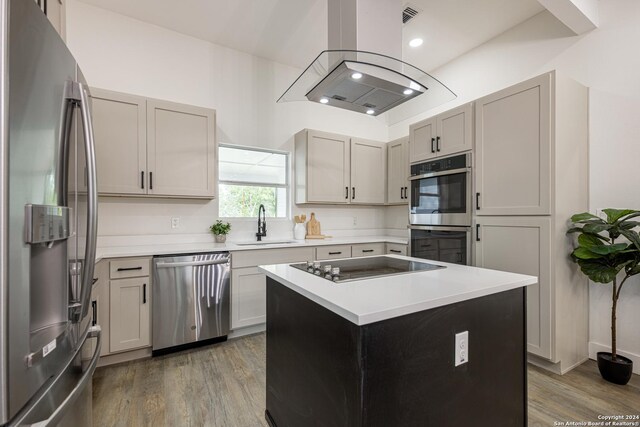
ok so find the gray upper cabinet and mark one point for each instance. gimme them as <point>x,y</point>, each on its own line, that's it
<point>445,134</point>
<point>322,167</point>
<point>422,140</point>
<point>121,142</point>
<point>368,171</point>
<point>338,169</point>
<point>181,150</point>
<point>513,150</point>
<point>398,171</point>
<point>147,147</point>
<point>56,13</point>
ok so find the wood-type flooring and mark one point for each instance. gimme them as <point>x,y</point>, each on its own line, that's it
<point>223,385</point>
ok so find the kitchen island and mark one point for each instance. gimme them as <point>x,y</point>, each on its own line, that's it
<point>382,351</point>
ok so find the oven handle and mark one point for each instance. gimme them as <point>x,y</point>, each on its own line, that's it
<point>448,172</point>
<point>438,228</point>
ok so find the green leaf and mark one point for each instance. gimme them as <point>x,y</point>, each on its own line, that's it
<point>585,216</point>
<point>609,249</point>
<point>633,270</point>
<point>629,225</point>
<point>587,240</point>
<point>614,215</point>
<point>598,271</point>
<point>632,236</point>
<point>584,253</point>
<point>596,228</point>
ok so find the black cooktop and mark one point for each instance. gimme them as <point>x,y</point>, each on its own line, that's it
<point>363,268</point>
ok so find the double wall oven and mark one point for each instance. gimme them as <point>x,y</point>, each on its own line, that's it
<point>440,207</point>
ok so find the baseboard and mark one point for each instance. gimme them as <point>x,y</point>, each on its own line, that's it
<point>126,356</point>
<point>556,368</point>
<point>595,347</point>
<point>249,330</point>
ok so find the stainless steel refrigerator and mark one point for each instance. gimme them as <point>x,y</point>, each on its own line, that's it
<point>48,218</point>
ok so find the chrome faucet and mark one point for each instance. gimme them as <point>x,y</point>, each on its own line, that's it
<point>262,224</point>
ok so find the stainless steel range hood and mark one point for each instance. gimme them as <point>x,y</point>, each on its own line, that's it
<point>351,76</point>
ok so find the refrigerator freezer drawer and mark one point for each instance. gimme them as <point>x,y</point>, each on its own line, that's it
<point>190,299</point>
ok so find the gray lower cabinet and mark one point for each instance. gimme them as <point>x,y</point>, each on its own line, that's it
<point>130,313</point>
<point>129,305</point>
<point>248,284</point>
<point>522,245</point>
<point>248,297</point>
<point>395,249</point>
<point>367,249</point>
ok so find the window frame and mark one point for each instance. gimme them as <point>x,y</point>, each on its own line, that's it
<point>286,185</point>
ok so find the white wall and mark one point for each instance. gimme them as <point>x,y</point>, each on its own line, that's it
<point>122,54</point>
<point>607,61</point>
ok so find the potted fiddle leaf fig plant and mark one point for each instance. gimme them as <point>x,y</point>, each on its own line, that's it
<point>608,252</point>
<point>220,230</point>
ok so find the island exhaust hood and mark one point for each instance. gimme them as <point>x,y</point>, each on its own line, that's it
<point>359,71</point>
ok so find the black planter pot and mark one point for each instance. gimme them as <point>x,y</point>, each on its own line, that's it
<point>615,371</point>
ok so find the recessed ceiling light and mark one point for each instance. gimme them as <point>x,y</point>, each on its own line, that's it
<point>370,111</point>
<point>324,101</point>
<point>356,76</point>
<point>415,42</point>
<point>408,91</point>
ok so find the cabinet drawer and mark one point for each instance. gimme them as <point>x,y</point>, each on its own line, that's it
<point>331,252</point>
<point>253,258</point>
<point>133,267</point>
<point>396,249</point>
<point>367,249</point>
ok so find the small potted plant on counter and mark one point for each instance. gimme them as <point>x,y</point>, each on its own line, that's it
<point>220,230</point>
<point>604,261</point>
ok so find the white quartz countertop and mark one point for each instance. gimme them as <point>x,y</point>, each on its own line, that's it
<point>183,248</point>
<point>372,300</point>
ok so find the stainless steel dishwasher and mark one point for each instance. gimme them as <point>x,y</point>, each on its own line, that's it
<point>190,300</point>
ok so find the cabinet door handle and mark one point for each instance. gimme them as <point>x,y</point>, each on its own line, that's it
<point>129,268</point>
<point>477,232</point>
<point>94,308</point>
<point>367,250</point>
<point>346,193</point>
<point>477,201</point>
<point>150,180</point>
<point>335,253</point>
<point>395,251</point>
<point>433,141</point>
<point>142,179</point>
<point>353,193</point>
<point>144,293</point>
<point>406,192</point>
<point>437,143</point>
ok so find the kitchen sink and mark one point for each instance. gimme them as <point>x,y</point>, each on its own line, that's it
<point>271,242</point>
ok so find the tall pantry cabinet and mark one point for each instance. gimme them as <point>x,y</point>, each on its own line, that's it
<point>531,175</point>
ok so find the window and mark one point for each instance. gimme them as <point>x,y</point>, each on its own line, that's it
<point>249,177</point>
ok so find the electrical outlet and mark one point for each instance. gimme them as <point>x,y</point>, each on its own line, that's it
<point>175,222</point>
<point>462,348</point>
<point>355,221</point>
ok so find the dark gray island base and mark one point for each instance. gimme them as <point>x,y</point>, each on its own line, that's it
<point>323,370</point>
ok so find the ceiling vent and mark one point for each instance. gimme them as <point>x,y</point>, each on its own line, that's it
<point>409,13</point>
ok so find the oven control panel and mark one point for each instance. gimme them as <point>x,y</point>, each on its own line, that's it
<point>449,163</point>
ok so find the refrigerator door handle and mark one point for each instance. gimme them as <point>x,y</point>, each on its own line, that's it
<point>77,94</point>
<point>56,416</point>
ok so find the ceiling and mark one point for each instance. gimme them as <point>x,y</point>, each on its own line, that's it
<point>294,32</point>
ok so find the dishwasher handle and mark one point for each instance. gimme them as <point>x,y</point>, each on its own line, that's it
<point>192,263</point>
